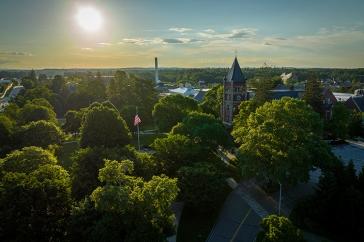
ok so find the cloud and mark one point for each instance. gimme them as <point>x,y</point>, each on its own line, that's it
<point>15,53</point>
<point>180,41</point>
<point>210,31</point>
<point>104,43</point>
<point>267,43</point>
<point>141,41</point>
<point>180,30</point>
<point>243,33</point>
<point>173,41</point>
<point>87,49</point>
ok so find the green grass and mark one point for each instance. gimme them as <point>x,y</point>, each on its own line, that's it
<point>65,152</point>
<point>146,139</point>
<point>196,226</point>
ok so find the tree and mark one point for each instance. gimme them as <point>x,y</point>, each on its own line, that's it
<point>40,133</point>
<point>205,129</point>
<point>88,161</point>
<point>263,86</point>
<point>12,111</point>
<point>313,95</point>
<point>202,185</point>
<point>281,141</point>
<point>177,150</point>
<point>35,196</point>
<point>338,126</point>
<point>245,109</point>
<point>356,124</point>
<point>279,229</point>
<point>26,160</point>
<point>128,92</point>
<point>172,109</point>
<point>41,102</point>
<point>103,126</point>
<point>73,121</point>
<point>57,84</point>
<point>31,112</point>
<point>126,208</point>
<point>336,207</point>
<point>6,131</point>
<point>212,101</point>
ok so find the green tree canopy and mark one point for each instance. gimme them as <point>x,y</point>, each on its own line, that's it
<point>88,161</point>
<point>41,102</point>
<point>202,185</point>
<point>73,121</point>
<point>281,141</point>
<point>245,109</point>
<point>313,95</point>
<point>205,129</point>
<point>140,210</point>
<point>26,160</point>
<point>40,133</point>
<point>212,101</point>
<point>279,229</point>
<point>6,132</point>
<point>177,150</point>
<point>128,91</point>
<point>31,112</point>
<point>35,196</point>
<point>103,126</point>
<point>338,126</point>
<point>172,109</point>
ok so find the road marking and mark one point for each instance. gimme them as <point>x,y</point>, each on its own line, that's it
<point>237,230</point>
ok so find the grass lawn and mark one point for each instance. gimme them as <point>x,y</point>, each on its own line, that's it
<point>65,152</point>
<point>195,226</point>
<point>146,139</point>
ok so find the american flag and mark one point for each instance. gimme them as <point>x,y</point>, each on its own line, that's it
<point>137,120</point>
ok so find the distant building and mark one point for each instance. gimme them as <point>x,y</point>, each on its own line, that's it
<point>283,91</point>
<point>235,91</point>
<point>329,100</point>
<point>15,91</point>
<point>342,97</point>
<point>197,94</point>
<point>5,81</point>
<point>356,101</point>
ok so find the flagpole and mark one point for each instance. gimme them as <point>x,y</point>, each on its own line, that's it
<point>136,109</point>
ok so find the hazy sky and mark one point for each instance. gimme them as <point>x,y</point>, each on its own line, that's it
<point>183,33</point>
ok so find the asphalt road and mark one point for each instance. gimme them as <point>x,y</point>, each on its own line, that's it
<point>237,222</point>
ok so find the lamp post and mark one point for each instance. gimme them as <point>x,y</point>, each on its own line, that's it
<point>280,198</point>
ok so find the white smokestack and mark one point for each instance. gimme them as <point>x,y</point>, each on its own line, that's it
<point>156,70</point>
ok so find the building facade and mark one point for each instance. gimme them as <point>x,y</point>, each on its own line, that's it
<point>235,91</point>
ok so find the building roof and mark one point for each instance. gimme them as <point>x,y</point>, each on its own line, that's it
<point>15,91</point>
<point>197,94</point>
<point>4,81</point>
<point>342,97</point>
<point>185,91</point>
<point>235,74</point>
<point>359,102</point>
<point>278,94</point>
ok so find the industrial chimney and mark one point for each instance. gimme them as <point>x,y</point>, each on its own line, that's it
<point>157,81</point>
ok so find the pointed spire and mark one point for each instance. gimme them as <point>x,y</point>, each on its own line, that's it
<point>235,74</point>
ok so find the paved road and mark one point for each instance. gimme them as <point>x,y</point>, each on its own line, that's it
<point>238,221</point>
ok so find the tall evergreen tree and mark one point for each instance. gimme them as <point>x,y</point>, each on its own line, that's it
<point>313,95</point>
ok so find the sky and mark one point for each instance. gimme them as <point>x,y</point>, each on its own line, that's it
<point>182,33</point>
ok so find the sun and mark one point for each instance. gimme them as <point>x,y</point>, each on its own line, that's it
<point>89,19</point>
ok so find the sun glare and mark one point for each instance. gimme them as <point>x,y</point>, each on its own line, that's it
<point>89,19</point>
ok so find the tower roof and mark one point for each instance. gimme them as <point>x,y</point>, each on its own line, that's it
<point>235,74</point>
